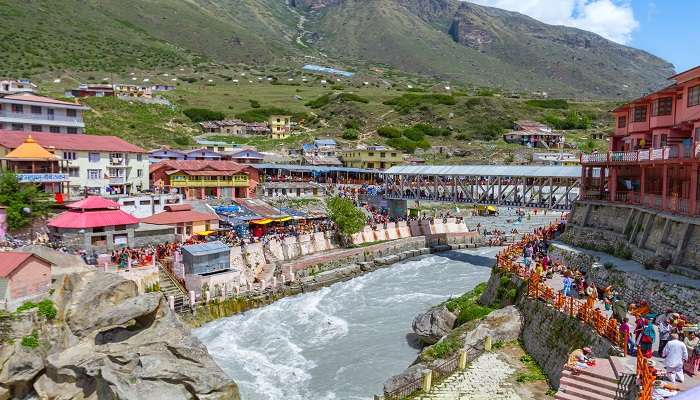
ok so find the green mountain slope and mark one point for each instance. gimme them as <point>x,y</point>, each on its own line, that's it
<point>445,39</point>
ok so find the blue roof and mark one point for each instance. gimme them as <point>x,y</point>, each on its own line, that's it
<point>293,212</point>
<point>307,147</point>
<point>248,153</point>
<point>315,168</point>
<point>318,68</point>
<point>324,142</point>
<point>206,248</point>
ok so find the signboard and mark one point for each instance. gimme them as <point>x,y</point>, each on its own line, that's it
<point>41,178</point>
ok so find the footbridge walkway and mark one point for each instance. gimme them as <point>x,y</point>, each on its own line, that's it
<point>527,186</point>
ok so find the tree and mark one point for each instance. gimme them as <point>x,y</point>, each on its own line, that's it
<point>18,197</point>
<point>348,218</point>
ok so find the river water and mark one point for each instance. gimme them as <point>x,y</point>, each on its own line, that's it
<point>345,340</point>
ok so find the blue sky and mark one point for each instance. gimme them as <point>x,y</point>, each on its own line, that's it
<point>666,28</point>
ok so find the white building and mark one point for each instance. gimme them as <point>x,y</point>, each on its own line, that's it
<point>31,113</point>
<point>145,205</point>
<point>12,86</point>
<point>100,165</point>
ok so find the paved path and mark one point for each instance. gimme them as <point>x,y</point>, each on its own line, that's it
<point>486,378</point>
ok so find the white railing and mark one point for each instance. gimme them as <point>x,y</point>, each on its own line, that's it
<point>657,154</point>
<point>643,155</point>
<point>40,117</point>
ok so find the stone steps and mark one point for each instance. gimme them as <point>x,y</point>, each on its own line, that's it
<point>596,383</point>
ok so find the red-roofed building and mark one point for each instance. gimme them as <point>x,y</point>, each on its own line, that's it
<point>94,164</point>
<point>23,276</point>
<point>32,113</point>
<point>185,220</point>
<point>201,179</point>
<point>95,223</point>
<point>654,153</point>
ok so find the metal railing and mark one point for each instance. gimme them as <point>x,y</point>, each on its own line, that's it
<point>40,117</point>
<point>674,152</point>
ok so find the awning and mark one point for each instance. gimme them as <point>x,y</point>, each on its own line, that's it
<point>204,233</point>
<point>263,221</point>
<point>283,219</point>
<point>491,208</point>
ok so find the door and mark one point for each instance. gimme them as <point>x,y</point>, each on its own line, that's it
<point>49,113</point>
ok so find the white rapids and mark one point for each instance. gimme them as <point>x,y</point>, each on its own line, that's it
<point>345,340</point>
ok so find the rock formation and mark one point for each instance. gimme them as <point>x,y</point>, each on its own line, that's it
<point>433,324</point>
<point>108,342</point>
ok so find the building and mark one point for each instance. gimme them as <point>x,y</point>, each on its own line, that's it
<point>94,223</point>
<point>227,127</point>
<point>33,164</point>
<point>145,205</point>
<point>184,220</point>
<point>373,157</point>
<point>23,277</point>
<point>198,179</point>
<point>654,153</point>
<point>31,113</point>
<point>292,189</point>
<point>126,90</point>
<point>566,159</point>
<point>206,258</point>
<point>247,156</point>
<point>95,164</point>
<point>92,90</point>
<point>221,147</point>
<point>533,134</point>
<point>280,126</point>
<point>13,86</point>
<point>257,128</point>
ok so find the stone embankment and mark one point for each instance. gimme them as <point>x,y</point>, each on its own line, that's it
<point>104,340</point>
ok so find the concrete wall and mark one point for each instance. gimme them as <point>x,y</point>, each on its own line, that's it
<point>657,240</point>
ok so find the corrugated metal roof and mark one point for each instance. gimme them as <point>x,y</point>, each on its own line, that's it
<point>554,171</point>
<point>206,248</point>
<point>317,168</point>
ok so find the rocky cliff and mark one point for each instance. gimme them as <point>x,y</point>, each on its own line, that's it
<point>106,341</point>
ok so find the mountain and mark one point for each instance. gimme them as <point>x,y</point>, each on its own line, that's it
<point>445,39</point>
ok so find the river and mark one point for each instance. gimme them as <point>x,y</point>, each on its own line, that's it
<point>345,340</point>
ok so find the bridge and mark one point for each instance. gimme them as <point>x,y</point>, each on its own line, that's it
<point>527,186</point>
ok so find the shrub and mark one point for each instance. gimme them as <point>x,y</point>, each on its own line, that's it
<point>557,104</point>
<point>352,124</point>
<point>338,87</point>
<point>203,114</point>
<point>414,134</point>
<point>350,134</point>
<point>431,130</point>
<point>47,309</point>
<point>348,218</point>
<point>403,144</point>
<point>27,305</point>
<point>31,341</point>
<point>320,101</point>
<point>489,130</point>
<point>389,132</point>
<point>485,92</point>
<point>352,97</point>
<point>254,103</point>
<point>442,349</point>
<point>182,140</point>
<point>572,120</point>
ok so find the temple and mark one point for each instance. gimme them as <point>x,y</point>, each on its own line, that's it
<point>654,151</point>
<point>32,163</point>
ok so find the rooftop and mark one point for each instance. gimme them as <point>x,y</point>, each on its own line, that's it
<point>94,203</point>
<point>30,149</point>
<point>530,171</point>
<point>74,219</point>
<point>67,141</point>
<point>13,260</point>
<point>40,99</point>
<point>179,214</point>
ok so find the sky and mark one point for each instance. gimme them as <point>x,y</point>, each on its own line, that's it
<point>665,28</point>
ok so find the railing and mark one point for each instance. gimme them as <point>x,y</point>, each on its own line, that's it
<point>675,152</point>
<point>645,377</point>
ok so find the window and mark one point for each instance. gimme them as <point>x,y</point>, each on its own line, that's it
<point>371,154</point>
<point>71,113</point>
<point>94,174</point>
<point>393,154</point>
<point>94,157</point>
<point>17,127</point>
<point>18,108</point>
<point>120,227</point>
<point>74,172</point>
<point>640,114</point>
<point>622,122</point>
<point>382,154</point>
<point>694,96</point>
<point>664,141</point>
<point>54,129</point>
<point>139,157</point>
<point>139,173</point>
<point>69,155</point>
<point>129,203</point>
<point>36,110</point>
<point>36,128</point>
<point>71,129</point>
<point>662,106</point>
<point>145,202</point>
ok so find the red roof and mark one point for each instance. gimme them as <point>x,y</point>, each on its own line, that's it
<point>199,165</point>
<point>94,203</point>
<point>10,261</point>
<point>39,99</point>
<point>178,217</point>
<point>67,141</point>
<point>92,219</point>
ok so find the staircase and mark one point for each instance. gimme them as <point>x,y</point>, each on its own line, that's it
<point>170,287</point>
<point>594,383</point>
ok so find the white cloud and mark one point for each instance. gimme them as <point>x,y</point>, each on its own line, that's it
<point>612,19</point>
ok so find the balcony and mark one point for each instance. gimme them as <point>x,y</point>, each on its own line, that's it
<point>117,180</point>
<point>118,162</point>
<point>40,119</point>
<point>668,153</point>
<point>193,182</point>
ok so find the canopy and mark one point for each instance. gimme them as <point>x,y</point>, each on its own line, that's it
<point>263,221</point>
<point>204,233</point>
<point>283,219</point>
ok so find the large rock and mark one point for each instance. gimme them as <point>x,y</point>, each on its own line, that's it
<point>502,325</point>
<point>433,324</point>
<point>109,342</point>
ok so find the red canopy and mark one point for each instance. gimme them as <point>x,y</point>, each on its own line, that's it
<point>92,219</point>
<point>94,203</point>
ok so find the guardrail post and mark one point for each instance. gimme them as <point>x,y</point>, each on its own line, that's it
<point>207,296</point>
<point>462,363</point>
<point>192,298</point>
<point>171,302</point>
<point>427,380</point>
<point>488,343</point>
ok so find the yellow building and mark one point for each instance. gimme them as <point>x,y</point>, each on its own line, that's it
<point>280,126</point>
<point>373,157</point>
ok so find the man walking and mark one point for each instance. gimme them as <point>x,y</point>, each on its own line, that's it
<point>674,354</point>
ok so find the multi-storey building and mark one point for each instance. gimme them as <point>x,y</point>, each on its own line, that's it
<point>12,86</point>
<point>95,164</point>
<point>654,152</point>
<point>200,179</point>
<point>373,157</point>
<point>32,113</point>
<point>280,126</point>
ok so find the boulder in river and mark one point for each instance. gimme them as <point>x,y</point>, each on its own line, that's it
<point>433,324</point>
<point>107,341</point>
